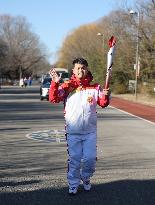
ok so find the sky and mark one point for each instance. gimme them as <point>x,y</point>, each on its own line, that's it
<point>53,20</point>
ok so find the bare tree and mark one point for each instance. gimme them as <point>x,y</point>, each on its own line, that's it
<point>24,48</point>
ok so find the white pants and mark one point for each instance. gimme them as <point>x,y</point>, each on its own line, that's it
<point>82,157</point>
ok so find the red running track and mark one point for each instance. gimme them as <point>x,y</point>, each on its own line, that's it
<point>144,111</point>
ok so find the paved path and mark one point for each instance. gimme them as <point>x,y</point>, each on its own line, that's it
<point>144,111</point>
<point>33,172</point>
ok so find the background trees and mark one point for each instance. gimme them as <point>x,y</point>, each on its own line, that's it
<point>21,53</point>
<point>84,42</point>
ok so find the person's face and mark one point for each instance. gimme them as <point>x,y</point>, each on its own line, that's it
<point>80,71</point>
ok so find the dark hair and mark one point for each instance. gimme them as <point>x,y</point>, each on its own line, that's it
<point>81,61</point>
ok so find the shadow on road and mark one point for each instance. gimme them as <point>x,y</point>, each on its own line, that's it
<point>13,129</point>
<point>124,192</point>
<point>13,183</point>
<point>18,90</point>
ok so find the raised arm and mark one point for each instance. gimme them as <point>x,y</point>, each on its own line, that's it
<point>59,92</point>
<point>56,92</point>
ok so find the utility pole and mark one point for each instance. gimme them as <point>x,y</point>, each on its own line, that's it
<point>137,51</point>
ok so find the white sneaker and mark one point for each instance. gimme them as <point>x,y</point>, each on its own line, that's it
<point>72,190</point>
<point>87,185</point>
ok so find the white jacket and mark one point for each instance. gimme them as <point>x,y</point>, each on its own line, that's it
<point>80,104</point>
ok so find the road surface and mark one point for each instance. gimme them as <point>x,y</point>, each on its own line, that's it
<point>33,172</point>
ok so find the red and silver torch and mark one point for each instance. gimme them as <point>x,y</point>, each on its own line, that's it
<point>110,55</point>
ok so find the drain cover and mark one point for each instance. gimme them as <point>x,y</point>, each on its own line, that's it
<point>48,135</point>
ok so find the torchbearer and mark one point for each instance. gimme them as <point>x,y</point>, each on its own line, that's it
<point>110,55</point>
<point>80,97</point>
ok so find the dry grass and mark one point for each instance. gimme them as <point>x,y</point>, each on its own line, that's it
<point>141,98</point>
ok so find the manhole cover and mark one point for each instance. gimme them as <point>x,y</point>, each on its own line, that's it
<point>48,135</point>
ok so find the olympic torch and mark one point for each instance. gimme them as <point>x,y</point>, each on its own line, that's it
<point>110,55</point>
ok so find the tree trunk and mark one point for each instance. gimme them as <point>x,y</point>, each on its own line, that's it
<point>20,74</point>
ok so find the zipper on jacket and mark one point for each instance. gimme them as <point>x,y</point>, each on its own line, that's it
<point>83,118</point>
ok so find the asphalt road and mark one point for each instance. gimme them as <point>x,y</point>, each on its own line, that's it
<point>33,172</point>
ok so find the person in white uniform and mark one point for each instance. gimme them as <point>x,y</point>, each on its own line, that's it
<point>80,99</point>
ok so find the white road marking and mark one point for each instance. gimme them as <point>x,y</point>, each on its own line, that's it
<point>48,135</point>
